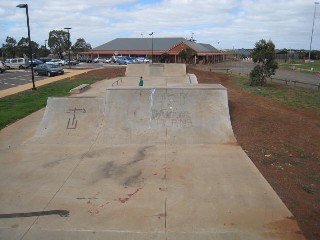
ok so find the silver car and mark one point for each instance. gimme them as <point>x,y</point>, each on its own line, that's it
<point>2,67</point>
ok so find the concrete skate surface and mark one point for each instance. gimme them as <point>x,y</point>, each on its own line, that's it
<point>121,161</point>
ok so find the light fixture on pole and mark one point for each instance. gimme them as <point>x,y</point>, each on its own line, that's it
<point>69,44</point>
<point>30,48</point>
<point>151,34</point>
<point>314,16</point>
<point>45,44</point>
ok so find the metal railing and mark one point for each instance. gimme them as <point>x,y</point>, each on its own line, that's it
<point>295,82</point>
<point>118,82</point>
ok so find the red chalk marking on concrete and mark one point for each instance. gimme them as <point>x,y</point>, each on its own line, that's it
<point>126,199</point>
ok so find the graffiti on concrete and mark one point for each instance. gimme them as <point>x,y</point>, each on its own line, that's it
<point>168,110</point>
<point>73,121</point>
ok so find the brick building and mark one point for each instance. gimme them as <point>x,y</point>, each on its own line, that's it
<point>162,49</point>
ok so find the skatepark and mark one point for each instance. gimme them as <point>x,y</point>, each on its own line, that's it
<point>120,161</point>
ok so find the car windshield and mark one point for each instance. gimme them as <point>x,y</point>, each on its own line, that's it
<point>52,66</point>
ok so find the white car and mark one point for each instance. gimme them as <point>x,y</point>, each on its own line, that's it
<point>19,63</point>
<point>142,60</point>
<point>99,59</point>
<point>58,62</point>
<point>2,67</point>
<point>108,60</point>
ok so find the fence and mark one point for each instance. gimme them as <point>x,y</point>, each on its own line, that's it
<point>272,78</point>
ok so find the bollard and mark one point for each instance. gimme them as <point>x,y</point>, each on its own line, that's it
<point>141,82</point>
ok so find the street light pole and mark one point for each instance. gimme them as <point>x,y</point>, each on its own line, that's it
<point>69,44</point>
<point>151,34</point>
<point>45,44</point>
<point>29,38</point>
<point>314,16</point>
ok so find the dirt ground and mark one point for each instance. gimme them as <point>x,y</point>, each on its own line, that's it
<point>284,144</point>
<point>111,72</point>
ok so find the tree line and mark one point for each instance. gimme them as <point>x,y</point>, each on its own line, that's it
<point>58,44</point>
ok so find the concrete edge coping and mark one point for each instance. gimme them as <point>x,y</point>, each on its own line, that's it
<point>192,78</point>
<point>79,89</point>
<point>179,87</point>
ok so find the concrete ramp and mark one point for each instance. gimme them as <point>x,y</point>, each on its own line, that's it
<point>71,120</point>
<point>176,69</point>
<point>137,70</point>
<point>156,70</point>
<point>176,115</point>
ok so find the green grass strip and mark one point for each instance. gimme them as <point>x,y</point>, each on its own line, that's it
<point>288,95</point>
<point>315,66</point>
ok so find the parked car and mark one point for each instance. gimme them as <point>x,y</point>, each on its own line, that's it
<point>58,62</point>
<point>44,60</point>
<point>85,59</point>
<point>121,61</point>
<point>124,60</point>
<point>108,60</point>
<point>72,62</point>
<point>2,67</point>
<point>19,63</point>
<point>35,62</point>
<point>133,59</point>
<point>99,59</point>
<point>48,70</point>
<point>142,60</point>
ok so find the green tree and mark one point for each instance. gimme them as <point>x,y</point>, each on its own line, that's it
<point>315,55</point>
<point>58,42</point>
<point>43,52</point>
<point>186,54</point>
<point>23,47</point>
<point>2,54</point>
<point>264,56</point>
<point>10,47</point>
<point>80,46</point>
<point>165,58</point>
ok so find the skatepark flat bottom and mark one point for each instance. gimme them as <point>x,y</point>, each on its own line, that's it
<point>164,190</point>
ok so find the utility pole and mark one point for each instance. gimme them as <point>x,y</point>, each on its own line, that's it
<point>314,16</point>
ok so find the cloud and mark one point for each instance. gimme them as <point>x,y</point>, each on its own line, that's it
<point>238,23</point>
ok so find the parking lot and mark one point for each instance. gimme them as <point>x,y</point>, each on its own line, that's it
<point>13,78</point>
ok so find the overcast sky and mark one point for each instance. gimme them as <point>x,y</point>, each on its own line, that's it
<point>222,23</point>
